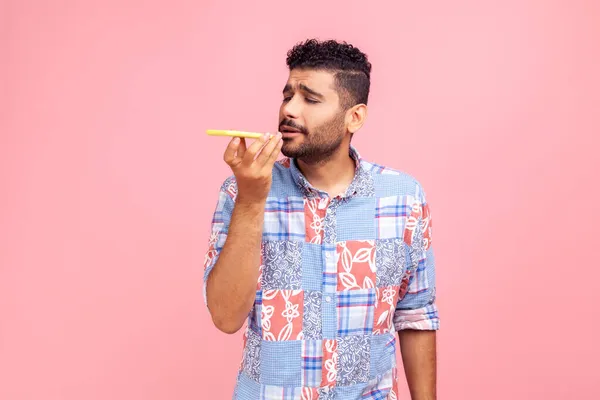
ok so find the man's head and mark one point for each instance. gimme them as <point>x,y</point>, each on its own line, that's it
<point>324,99</point>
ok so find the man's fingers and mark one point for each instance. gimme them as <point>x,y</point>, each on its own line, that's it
<point>274,154</point>
<point>242,149</point>
<point>253,149</point>
<point>265,153</point>
<point>230,152</point>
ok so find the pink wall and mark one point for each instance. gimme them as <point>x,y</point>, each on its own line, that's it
<point>108,182</point>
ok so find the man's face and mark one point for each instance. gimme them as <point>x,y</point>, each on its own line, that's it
<point>310,117</point>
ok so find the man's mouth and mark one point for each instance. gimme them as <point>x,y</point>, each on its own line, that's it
<point>289,130</point>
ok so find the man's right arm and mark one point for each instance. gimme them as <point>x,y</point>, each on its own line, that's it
<point>231,282</point>
<point>231,285</point>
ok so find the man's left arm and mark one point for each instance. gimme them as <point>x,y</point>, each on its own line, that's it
<point>416,318</point>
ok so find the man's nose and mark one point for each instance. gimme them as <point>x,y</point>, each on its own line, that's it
<point>292,108</point>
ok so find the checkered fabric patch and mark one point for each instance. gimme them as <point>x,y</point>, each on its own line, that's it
<point>390,216</point>
<point>284,219</point>
<point>312,362</point>
<point>355,312</point>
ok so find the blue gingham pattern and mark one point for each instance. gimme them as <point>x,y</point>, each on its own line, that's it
<point>383,353</point>
<point>329,307</point>
<point>330,277</point>
<point>375,207</point>
<point>355,220</point>
<point>312,266</point>
<point>279,363</point>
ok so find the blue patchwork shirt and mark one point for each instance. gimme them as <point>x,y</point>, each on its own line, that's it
<point>338,278</point>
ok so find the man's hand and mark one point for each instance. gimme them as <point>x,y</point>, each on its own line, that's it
<point>253,166</point>
<point>231,285</point>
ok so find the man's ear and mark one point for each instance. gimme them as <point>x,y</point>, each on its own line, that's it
<point>355,117</point>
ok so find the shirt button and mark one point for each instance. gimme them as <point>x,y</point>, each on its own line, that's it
<point>327,256</point>
<point>328,299</point>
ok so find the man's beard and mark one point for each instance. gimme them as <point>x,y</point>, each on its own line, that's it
<point>319,144</point>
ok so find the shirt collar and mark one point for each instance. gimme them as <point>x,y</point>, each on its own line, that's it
<point>360,177</point>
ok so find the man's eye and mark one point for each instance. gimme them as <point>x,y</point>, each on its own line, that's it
<point>311,101</point>
<point>287,98</point>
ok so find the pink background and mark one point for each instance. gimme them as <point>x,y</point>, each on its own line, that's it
<point>108,182</point>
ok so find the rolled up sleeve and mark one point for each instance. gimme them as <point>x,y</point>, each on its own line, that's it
<point>219,227</point>
<point>416,308</point>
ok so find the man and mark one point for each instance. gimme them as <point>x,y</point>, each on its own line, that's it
<point>325,254</point>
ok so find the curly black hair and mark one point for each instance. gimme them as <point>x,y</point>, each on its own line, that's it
<point>351,67</point>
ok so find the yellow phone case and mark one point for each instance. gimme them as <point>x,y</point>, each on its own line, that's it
<point>224,132</point>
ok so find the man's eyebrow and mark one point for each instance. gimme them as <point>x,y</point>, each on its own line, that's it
<point>288,88</point>
<point>309,90</point>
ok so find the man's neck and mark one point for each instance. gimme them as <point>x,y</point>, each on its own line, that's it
<point>332,175</point>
